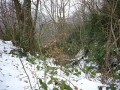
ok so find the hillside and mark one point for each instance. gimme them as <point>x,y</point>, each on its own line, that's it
<point>14,77</point>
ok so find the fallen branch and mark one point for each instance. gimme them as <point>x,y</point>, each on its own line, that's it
<point>26,74</point>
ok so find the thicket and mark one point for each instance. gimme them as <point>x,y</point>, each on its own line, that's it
<point>98,33</point>
<point>102,38</point>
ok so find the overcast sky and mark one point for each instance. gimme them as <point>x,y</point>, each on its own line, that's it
<point>71,9</point>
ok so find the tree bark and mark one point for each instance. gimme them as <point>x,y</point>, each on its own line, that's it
<point>24,18</point>
<point>19,13</point>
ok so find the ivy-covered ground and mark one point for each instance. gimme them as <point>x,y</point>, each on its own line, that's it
<point>39,73</point>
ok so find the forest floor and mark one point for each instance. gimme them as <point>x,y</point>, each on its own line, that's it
<point>18,74</point>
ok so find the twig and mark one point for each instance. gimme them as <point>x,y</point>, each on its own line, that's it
<point>67,80</point>
<point>2,73</point>
<point>26,74</point>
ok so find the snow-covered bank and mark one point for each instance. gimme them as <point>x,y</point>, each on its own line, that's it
<point>13,76</point>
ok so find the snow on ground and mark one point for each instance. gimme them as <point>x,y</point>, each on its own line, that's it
<point>13,76</point>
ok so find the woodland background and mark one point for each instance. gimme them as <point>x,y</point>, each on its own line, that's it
<point>62,28</point>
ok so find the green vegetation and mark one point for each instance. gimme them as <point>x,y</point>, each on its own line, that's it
<point>93,29</point>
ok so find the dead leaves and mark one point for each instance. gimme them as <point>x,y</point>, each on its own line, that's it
<point>75,87</point>
<point>25,81</point>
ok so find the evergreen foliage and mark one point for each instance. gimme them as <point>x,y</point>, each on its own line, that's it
<point>102,37</point>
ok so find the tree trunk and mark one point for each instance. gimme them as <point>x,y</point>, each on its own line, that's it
<point>24,18</point>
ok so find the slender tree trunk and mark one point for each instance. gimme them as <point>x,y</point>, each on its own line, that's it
<point>19,13</point>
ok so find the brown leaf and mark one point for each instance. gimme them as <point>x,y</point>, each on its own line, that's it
<point>76,88</point>
<point>25,81</point>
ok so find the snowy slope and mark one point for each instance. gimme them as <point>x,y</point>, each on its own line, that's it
<point>13,76</point>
